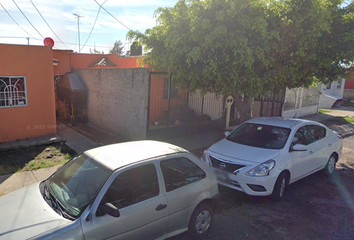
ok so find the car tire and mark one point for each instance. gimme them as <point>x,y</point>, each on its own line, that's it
<point>201,221</point>
<point>331,165</point>
<point>280,186</point>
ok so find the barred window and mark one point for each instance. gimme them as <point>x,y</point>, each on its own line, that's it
<point>13,91</point>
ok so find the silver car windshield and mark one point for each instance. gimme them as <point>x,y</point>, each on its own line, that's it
<point>77,183</point>
<point>259,135</point>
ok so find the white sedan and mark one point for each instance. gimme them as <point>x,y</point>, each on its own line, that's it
<point>264,155</point>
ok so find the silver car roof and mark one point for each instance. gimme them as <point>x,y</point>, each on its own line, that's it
<point>121,154</point>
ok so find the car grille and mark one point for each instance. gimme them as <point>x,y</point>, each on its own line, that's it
<point>229,167</point>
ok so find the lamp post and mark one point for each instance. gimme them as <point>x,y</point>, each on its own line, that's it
<point>78,27</point>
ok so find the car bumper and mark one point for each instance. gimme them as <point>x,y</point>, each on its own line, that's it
<point>256,186</point>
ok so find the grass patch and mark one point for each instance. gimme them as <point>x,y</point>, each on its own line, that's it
<point>33,158</point>
<point>323,111</point>
<point>339,120</point>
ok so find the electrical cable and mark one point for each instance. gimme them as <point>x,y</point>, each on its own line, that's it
<point>94,24</point>
<point>112,15</point>
<point>27,19</point>
<point>15,20</point>
<point>47,24</point>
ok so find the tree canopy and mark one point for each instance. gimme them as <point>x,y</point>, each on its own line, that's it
<point>248,47</point>
<point>117,48</point>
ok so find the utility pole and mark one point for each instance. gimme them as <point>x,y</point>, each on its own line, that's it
<point>78,27</point>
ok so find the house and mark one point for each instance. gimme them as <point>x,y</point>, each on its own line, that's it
<point>27,100</point>
<point>332,93</point>
<point>348,94</point>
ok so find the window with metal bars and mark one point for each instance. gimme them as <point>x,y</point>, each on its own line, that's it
<point>13,91</point>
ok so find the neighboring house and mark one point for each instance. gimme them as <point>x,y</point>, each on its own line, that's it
<point>348,93</point>
<point>332,93</point>
<point>27,102</point>
<point>301,102</point>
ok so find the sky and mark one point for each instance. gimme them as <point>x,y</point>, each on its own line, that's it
<point>128,14</point>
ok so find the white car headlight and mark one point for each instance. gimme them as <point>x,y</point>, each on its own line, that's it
<point>205,158</point>
<point>262,169</point>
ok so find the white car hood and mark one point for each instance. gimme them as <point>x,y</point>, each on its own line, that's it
<point>231,151</point>
<point>24,214</point>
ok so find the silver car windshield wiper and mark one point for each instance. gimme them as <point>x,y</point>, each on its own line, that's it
<point>55,203</point>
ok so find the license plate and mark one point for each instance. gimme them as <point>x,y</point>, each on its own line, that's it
<point>221,176</point>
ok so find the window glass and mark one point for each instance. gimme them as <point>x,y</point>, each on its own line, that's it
<point>302,136</point>
<point>13,91</point>
<point>179,172</point>
<point>259,135</point>
<point>133,186</point>
<point>317,132</point>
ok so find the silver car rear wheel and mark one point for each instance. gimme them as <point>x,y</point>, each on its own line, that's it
<point>201,221</point>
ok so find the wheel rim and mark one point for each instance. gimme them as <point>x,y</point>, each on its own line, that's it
<point>203,222</point>
<point>331,164</point>
<point>282,187</point>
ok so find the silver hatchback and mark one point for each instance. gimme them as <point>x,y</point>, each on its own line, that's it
<point>134,190</point>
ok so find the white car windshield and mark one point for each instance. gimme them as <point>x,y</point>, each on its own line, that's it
<point>76,184</point>
<point>259,135</point>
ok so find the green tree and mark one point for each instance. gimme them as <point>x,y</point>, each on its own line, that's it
<point>95,51</point>
<point>249,47</point>
<point>117,48</point>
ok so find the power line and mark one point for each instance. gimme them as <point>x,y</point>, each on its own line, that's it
<point>27,19</point>
<point>47,24</point>
<point>15,20</point>
<point>112,15</point>
<point>93,26</point>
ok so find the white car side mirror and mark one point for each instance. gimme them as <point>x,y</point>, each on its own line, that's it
<point>299,147</point>
<point>227,133</point>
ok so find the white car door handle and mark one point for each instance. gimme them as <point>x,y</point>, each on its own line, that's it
<point>161,206</point>
<point>311,152</point>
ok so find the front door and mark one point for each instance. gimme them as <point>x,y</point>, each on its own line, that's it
<point>303,162</point>
<point>143,210</point>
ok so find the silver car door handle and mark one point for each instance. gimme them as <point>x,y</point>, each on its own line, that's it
<point>311,152</point>
<point>161,206</point>
<point>329,144</point>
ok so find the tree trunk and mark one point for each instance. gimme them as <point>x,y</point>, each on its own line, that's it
<point>244,105</point>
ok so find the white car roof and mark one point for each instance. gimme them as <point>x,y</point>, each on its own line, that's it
<point>280,122</point>
<point>121,154</point>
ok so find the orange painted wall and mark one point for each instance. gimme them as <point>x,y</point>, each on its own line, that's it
<point>159,105</point>
<point>38,117</point>
<point>69,60</point>
<point>64,61</point>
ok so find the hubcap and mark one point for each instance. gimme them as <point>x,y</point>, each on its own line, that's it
<point>203,222</point>
<point>331,164</point>
<point>282,187</point>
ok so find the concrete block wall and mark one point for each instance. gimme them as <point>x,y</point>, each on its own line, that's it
<point>117,99</point>
<point>348,94</point>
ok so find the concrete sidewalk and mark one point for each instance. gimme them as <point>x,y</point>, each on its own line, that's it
<point>81,143</point>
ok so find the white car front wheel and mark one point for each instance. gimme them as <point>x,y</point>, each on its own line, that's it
<point>331,165</point>
<point>280,186</point>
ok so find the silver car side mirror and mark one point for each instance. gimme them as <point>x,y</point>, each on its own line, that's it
<point>227,133</point>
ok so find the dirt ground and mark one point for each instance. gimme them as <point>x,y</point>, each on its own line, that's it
<point>20,160</point>
<point>317,207</point>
